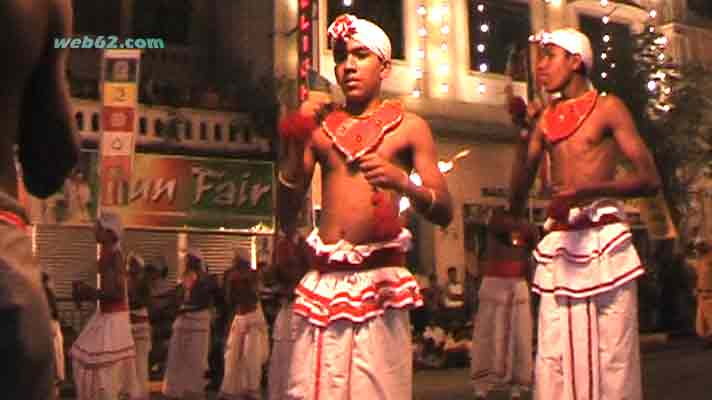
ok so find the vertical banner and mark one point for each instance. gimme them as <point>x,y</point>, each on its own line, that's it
<point>120,79</point>
<point>305,46</point>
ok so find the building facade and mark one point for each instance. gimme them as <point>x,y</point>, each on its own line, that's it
<point>453,62</point>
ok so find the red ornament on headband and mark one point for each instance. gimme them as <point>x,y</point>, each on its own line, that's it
<point>342,27</point>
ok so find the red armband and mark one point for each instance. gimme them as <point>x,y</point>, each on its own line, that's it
<point>296,125</point>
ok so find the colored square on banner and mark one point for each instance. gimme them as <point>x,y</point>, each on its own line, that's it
<point>116,143</point>
<point>120,94</point>
<point>121,69</point>
<point>114,180</point>
<point>118,119</point>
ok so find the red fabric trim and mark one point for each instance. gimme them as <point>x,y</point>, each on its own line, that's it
<point>354,137</point>
<point>113,307</point>
<point>590,350</point>
<point>584,257</point>
<point>359,313</point>
<point>388,257</point>
<point>619,280</point>
<point>571,348</point>
<point>506,269</point>
<point>102,364</point>
<point>563,118</point>
<point>13,219</point>
<point>365,295</point>
<point>585,223</point>
<point>319,347</point>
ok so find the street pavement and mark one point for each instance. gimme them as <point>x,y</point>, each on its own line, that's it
<point>674,370</point>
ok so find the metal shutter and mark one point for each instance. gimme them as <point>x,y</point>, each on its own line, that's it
<point>154,246</point>
<point>218,250</point>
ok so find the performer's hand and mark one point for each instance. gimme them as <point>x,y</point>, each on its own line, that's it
<point>316,105</point>
<point>561,202</point>
<point>383,174</point>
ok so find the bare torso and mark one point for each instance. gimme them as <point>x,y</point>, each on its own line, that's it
<point>347,208</point>
<point>589,155</point>
<point>24,27</point>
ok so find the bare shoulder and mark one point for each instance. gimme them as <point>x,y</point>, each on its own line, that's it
<point>612,106</point>
<point>415,126</point>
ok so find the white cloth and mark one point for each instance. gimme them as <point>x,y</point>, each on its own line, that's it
<point>283,337</point>
<point>587,262</point>
<point>571,40</point>
<point>347,360</point>
<point>355,295</point>
<point>589,348</point>
<point>348,26</point>
<point>246,352</point>
<point>187,360</point>
<point>58,342</point>
<point>104,358</point>
<point>141,332</point>
<point>501,354</point>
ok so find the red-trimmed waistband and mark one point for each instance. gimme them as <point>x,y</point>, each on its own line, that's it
<point>585,223</point>
<point>13,219</point>
<point>388,257</point>
<point>113,307</point>
<point>506,269</point>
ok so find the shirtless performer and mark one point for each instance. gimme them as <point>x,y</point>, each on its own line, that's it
<point>104,354</point>
<point>35,117</point>
<point>586,264</point>
<point>502,332</point>
<point>351,309</point>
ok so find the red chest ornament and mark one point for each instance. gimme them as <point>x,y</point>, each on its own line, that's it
<point>563,118</point>
<point>356,136</point>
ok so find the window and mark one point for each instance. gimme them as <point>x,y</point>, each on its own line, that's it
<point>499,37</point>
<point>95,126</point>
<point>218,134</point>
<point>79,116</point>
<point>203,131</point>
<point>97,17</point>
<point>188,130</point>
<point>232,133</point>
<point>618,63</point>
<point>700,7</point>
<point>142,126</point>
<point>165,19</point>
<point>158,127</point>
<point>386,14</point>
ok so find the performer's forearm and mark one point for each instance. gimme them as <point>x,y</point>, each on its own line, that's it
<point>434,205</point>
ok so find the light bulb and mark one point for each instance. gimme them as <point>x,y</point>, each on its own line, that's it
<point>606,38</point>
<point>445,29</point>
<point>481,7</point>
<point>484,67</point>
<point>481,48</point>
<point>653,13</point>
<point>444,87</point>
<point>422,10</point>
<point>422,32</point>
<point>652,85</point>
<point>481,88</point>
<point>604,56</point>
<point>484,28</point>
<point>348,3</point>
<point>605,19</point>
<point>604,3</point>
<point>604,75</point>
<point>415,93</point>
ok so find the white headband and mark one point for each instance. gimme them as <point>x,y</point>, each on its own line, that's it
<point>347,26</point>
<point>570,40</point>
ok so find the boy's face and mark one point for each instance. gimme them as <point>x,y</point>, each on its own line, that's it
<point>358,70</point>
<point>556,67</point>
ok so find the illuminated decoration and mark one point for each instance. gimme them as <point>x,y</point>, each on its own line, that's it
<point>419,68</point>
<point>444,35</point>
<point>659,75</point>
<point>305,40</point>
<point>481,47</point>
<point>443,166</point>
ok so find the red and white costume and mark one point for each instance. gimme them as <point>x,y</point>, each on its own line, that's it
<point>246,352</point>
<point>349,321</point>
<point>588,345</point>
<point>502,332</point>
<point>104,354</point>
